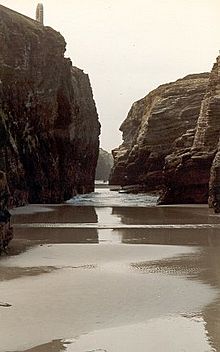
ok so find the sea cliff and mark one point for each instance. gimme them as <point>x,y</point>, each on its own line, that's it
<point>163,121</point>
<point>49,129</point>
<point>192,174</point>
<point>171,141</point>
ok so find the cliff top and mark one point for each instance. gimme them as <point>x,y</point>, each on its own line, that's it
<point>195,76</point>
<point>19,17</point>
<point>13,18</point>
<point>189,77</point>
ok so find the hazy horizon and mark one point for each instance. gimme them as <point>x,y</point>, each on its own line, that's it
<point>129,48</point>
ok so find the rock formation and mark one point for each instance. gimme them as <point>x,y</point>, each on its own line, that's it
<point>187,171</point>
<point>172,141</point>
<point>104,165</point>
<point>6,230</point>
<point>156,125</point>
<point>48,120</point>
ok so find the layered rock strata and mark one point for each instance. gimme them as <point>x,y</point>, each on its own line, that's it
<point>48,120</point>
<point>163,121</point>
<point>193,174</point>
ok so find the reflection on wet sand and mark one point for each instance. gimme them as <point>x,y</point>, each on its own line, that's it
<point>29,236</point>
<point>166,215</point>
<point>209,262</point>
<point>114,289</point>
<point>56,235</point>
<point>53,346</point>
<point>202,266</point>
<point>59,213</point>
<point>11,273</point>
<point>171,236</point>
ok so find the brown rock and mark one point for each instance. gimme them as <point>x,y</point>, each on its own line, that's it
<point>157,125</point>
<point>187,175</point>
<point>48,120</point>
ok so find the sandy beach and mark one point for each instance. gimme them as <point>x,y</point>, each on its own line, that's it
<point>118,283</point>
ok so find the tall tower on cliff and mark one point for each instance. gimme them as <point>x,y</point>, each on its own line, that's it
<point>40,13</point>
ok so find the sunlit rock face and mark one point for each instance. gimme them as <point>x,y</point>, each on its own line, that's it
<point>194,174</point>
<point>48,120</point>
<point>158,125</point>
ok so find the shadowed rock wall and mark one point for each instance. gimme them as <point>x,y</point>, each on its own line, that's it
<point>48,120</point>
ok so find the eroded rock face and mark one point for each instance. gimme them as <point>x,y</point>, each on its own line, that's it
<point>48,120</point>
<point>187,172</point>
<point>157,125</point>
<point>104,165</point>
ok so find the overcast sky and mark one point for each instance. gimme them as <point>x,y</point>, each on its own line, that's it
<point>129,47</point>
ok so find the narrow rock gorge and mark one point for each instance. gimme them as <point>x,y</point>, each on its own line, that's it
<point>49,129</point>
<point>171,141</point>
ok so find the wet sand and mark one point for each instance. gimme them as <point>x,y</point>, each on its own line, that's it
<point>118,282</point>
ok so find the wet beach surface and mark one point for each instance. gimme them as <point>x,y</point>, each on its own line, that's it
<point>106,273</point>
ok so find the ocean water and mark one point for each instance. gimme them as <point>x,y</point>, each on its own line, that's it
<point>103,197</point>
